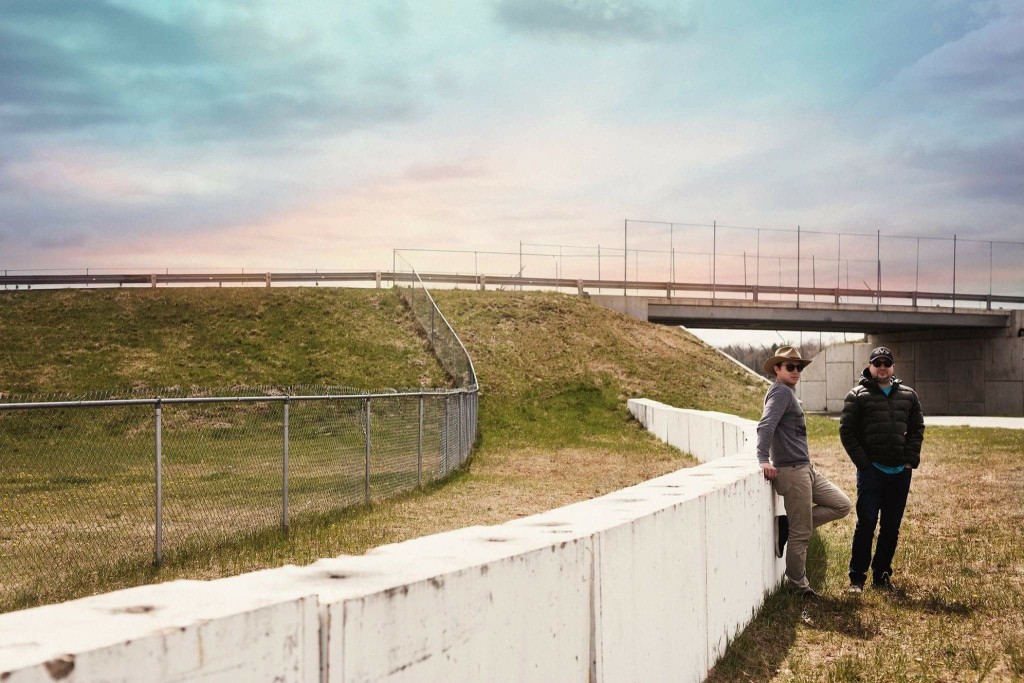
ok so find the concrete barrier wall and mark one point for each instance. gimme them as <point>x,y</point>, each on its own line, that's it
<point>647,583</point>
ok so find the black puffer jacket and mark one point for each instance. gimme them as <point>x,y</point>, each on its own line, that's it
<point>874,427</point>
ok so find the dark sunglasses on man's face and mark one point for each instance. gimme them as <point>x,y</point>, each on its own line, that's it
<point>791,367</point>
<point>878,362</point>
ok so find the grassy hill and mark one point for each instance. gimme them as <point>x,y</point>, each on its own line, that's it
<point>72,341</point>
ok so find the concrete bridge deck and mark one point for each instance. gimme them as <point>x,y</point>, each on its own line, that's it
<point>791,315</point>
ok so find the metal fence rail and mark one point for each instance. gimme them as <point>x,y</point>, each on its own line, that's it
<point>94,486</point>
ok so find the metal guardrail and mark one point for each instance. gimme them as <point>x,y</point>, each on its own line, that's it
<point>87,486</point>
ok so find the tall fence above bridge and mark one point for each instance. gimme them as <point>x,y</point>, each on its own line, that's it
<point>664,259</point>
<point>106,484</point>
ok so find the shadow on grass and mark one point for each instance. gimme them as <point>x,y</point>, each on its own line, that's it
<point>758,653</point>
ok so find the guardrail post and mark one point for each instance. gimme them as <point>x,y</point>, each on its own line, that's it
<point>158,549</point>
<point>267,278</point>
<point>377,278</point>
<point>284,473</point>
<point>419,447</point>
<point>152,280</point>
<point>483,283</point>
<point>366,486</point>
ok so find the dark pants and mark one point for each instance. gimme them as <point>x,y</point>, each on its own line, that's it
<point>878,495</point>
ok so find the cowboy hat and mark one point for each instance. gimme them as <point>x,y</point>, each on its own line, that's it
<point>783,354</point>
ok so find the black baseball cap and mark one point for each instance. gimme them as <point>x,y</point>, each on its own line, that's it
<point>881,352</point>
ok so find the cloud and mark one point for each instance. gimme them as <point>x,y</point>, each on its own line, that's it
<point>100,30</point>
<point>442,172</point>
<point>45,88</point>
<point>596,19</point>
<point>982,73</point>
<point>72,241</point>
<point>69,67</point>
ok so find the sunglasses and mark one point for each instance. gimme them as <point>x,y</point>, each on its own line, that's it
<point>790,367</point>
<point>878,362</point>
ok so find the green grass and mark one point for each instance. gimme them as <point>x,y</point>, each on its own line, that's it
<point>958,613</point>
<point>74,341</point>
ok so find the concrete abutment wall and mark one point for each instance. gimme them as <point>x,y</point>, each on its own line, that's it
<point>647,583</point>
<point>953,375</point>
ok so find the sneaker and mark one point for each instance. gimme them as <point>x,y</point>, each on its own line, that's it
<point>808,593</point>
<point>883,582</point>
<point>855,588</point>
<point>781,534</point>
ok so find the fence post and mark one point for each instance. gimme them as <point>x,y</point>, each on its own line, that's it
<point>464,427</point>
<point>462,435</point>
<point>158,552</point>
<point>284,472</point>
<point>445,433</point>
<point>366,488</point>
<point>419,447</point>
<point>954,273</point>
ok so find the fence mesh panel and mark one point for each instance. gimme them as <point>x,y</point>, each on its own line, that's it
<point>74,483</point>
<point>221,471</point>
<point>326,459</point>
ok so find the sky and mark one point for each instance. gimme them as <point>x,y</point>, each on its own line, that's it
<point>327,134</point>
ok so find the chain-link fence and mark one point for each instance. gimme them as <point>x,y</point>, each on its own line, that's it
<point>101,484</point>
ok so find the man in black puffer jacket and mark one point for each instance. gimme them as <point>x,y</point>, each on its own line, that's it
<point>882,429</point>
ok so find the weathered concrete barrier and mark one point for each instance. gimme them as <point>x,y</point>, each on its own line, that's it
<point>648,583</point>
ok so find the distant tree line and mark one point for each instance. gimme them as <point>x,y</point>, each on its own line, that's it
<point>753,356</point>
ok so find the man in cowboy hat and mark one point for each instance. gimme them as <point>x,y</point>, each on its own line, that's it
<point>882,429</point>
<point>811,499</point>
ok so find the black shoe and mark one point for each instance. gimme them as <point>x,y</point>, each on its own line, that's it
<point>883,582</point>
<point>807,593</point>
<point>781,534</point>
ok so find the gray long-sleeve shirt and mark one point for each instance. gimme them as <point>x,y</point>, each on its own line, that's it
<point>782,431</point>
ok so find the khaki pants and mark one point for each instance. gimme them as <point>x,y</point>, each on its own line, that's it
<point>811,500</point>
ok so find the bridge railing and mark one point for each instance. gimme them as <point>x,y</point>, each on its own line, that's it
<point>699,289</point>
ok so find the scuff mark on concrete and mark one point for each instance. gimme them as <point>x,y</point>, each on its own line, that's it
<point>61,667</point>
